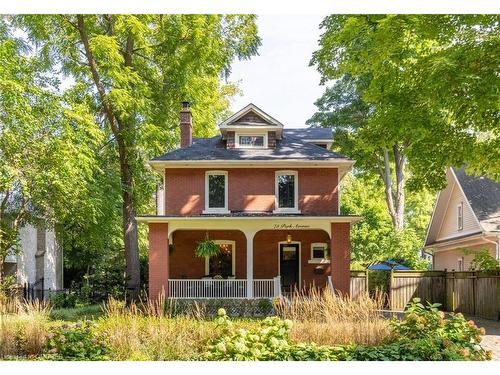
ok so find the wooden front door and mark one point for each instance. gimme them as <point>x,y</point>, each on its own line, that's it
<point>289,266</point>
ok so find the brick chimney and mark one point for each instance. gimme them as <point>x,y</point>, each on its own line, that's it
<point>186,126</point>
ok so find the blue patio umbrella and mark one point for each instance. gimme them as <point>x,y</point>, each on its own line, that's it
<point>387,265</point>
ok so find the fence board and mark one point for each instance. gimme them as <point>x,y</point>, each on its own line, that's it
<point>474,293</point>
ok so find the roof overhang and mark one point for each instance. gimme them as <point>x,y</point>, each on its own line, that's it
<point>227,218</point>
<point>249,225</point>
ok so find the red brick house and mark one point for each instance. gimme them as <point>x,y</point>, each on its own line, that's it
<point>268,196</point>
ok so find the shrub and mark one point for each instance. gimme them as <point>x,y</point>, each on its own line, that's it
<point>76,342</point>
<point>426,334</point>
<point>63,300</point>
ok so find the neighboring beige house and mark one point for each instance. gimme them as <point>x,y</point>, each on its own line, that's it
<point>466,216</point>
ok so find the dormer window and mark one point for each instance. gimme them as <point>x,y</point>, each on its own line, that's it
<point>460,216</point>
<point>251,141</point>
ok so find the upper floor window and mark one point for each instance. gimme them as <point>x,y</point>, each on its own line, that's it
<point>216,192</point>
<point>252,141</point>
<point>286,191</point>
<point>460,216</point>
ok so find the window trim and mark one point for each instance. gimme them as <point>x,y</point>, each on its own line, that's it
<point>325,259</point>
<point>460,216</point>
<point>233,256</point>
<point>216,210</point>
<point>238,135</point>
<point>294,209</point>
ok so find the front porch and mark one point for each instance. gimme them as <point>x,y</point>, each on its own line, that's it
<point>264,258</point>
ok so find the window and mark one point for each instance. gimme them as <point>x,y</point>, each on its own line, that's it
<point>460,264</point>
<point>252,141</point>
<point>216,192</point>
<point>460,216</point>
<point>286,191</point>
<point>222,264</point>
<point>319,251</point>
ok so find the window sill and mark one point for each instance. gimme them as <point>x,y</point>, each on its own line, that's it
<point>318,261</point>
<point>286,211</point>
<point>220,212</point>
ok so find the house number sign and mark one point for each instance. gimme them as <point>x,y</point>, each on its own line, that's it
<point>290,226</point>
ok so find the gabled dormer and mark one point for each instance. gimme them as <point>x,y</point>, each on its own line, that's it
<point>251,128</point>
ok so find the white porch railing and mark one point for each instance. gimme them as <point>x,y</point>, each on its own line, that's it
<point>222,289</point>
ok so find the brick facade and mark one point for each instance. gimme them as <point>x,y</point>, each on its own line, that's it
<point>340,253</point>
<point>158,259</point>
<point>185,190</point>
<point>266,256</point>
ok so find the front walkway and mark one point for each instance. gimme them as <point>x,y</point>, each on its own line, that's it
<point>491,340</point>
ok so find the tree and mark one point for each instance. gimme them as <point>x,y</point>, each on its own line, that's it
<point>46,147</point>
<point>134,70</point>
<point>374,239</point>
<point>412,95</point>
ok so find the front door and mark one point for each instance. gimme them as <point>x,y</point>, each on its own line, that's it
<point>289,266</point>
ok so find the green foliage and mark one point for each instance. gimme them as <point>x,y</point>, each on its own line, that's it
<point>146,65</point>
<point>482,260</point>
<point>209,307</point>
<point>268,342</point>
<point>76,342</point>
<point>207,248</point>
<point>63,300</point>
<point>75,314</point>
<point>429,336</point>
<point>423,334</point>
<point>374,238</point>
<point>427,83</point>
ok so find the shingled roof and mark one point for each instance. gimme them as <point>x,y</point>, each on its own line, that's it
<point>483,195</point>
<point>294,146</point>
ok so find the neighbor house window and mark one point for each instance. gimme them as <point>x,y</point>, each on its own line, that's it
<point>460,264</point>
<point>319,251</point>
<point>216,191</point>
<point>251,141</point>
<point>286,191</point>
<point>222,264</point>
<point>460,216</point>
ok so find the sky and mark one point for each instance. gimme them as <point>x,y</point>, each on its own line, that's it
<point>279,80</point>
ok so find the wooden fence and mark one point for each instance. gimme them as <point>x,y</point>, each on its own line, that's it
<point>474,293</point>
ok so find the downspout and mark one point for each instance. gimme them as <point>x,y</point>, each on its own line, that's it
<point>497,246</point>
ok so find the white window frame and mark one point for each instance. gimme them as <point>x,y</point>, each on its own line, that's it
<point>460,216</point>
<point>238,135</point>
<point>233,256</point>
<point>294,209</point>
<point>216,210</point>
<point>325,258</point>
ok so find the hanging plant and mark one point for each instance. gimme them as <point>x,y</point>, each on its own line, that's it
<point>207,248</point>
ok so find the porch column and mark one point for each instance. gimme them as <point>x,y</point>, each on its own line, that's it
<point>249,236</point>
<point>158,260</point>
<point>340,257</point>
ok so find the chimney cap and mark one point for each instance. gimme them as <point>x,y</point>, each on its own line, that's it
<point>185,105</point>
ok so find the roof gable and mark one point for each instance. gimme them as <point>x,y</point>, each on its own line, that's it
<point>483,196</point>
<point>443,224</point>
<point>250,115</point>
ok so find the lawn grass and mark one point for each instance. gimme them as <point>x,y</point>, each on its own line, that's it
<point>90,312</point>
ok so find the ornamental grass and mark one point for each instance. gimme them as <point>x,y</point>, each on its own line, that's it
<point>325,318</point>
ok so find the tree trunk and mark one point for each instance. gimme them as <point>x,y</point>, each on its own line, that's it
<point>395,200</point>
<point>133,271</point>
